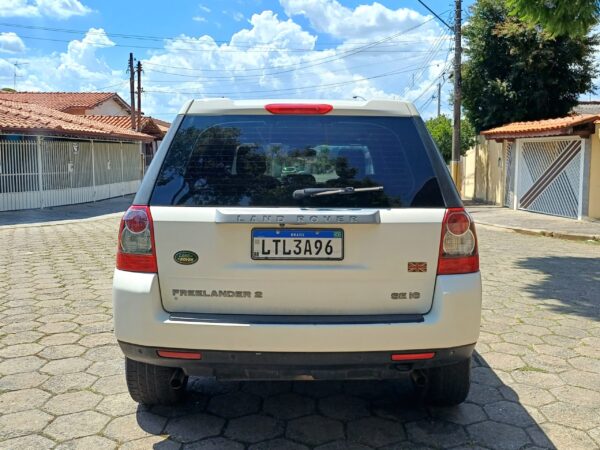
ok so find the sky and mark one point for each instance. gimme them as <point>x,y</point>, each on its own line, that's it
<point>237,49</point>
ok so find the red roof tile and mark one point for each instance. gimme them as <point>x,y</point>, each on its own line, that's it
<point>63,101</point>
<point>150,125</point>
<point>549,127</point>
<point>115,121</point>
<point>25,117</point>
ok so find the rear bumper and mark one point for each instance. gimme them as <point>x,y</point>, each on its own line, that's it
<point>452,322</point>
<point>294,365</point>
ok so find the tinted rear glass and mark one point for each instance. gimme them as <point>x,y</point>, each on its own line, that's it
<point>261,160</point>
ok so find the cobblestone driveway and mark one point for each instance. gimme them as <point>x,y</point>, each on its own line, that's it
<point>536,372</point>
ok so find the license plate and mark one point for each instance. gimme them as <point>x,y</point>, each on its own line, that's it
<point>297,244</point>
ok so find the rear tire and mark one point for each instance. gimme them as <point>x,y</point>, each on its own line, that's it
<point>151,385</point>
<point>448,385</point>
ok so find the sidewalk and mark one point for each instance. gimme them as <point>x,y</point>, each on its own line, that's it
<point>534,223</point>
<point>496,216</point>
<point>82,211</point>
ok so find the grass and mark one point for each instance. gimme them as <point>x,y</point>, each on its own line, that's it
<point>532,369</point>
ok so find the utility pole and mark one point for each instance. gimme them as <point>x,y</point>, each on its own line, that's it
<point>455,162</point>
<point>139,96</point>
<point>439,99</point>
<point>17,65</point>
<point>132,89</point>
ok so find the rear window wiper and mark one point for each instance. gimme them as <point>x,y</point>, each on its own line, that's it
<point>318,192</point>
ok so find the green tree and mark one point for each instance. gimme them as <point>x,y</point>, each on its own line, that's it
<point>440,129</point>
<point>514,72</point>
<point>558,17</point>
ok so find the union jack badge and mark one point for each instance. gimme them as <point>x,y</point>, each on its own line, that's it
<point>417,267</point>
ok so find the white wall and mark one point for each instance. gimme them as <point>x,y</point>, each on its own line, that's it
<point>108,108</point>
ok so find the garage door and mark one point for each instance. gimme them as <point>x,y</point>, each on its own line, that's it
<point>550,176</point>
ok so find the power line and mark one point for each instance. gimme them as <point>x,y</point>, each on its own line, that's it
<point>303,65</point>
<point>319,86</point>
<point>122,82</point>
<point>215,49</point>
<point>328,59</point>
<point>144,37</point>
<point>446,67</point>
<point>170,66</point>
<point>436,48</point>
<point>236,78</point>
<point>435,14</point>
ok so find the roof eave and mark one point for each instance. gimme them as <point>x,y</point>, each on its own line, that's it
<point>74,134</point>
<point>527,134</point>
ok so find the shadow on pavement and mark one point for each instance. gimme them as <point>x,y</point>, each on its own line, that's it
<point>343,415</point>
<point>562,276</point>
<point>70,212</point>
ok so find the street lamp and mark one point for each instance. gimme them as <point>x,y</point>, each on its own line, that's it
<point>356,97</point>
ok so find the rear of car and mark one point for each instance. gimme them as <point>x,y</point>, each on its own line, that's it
<point>304,240</point>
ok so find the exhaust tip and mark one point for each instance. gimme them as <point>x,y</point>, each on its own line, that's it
<point>177,380</point>
<point>419,378</point>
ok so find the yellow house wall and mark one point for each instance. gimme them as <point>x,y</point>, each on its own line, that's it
<point>483,173</point>
<point>594,181</point>
<point>468,171</point>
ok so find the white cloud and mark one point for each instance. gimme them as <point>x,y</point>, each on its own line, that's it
<point>18,8</point>
<point>266,59</point>
<point>331,17</point>
<point>11,43</point>
<point>269,57</point>
<point>199,19</point>
<point>58,9</point>
<point>78,68</point>
<point>206,9</point>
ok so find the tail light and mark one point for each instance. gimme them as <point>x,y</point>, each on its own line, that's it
<point>298,108</point>
<point>458,246</point>
<point>136,251</point>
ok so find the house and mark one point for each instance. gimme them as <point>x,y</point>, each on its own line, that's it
<point>149,125</point>
<point>546,166</point>
<point>51,158</point>
<point>78,103</point>
<point>105,107</point>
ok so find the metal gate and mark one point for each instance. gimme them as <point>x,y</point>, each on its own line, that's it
<point>509,181</point>
<point>550,176</point>
<point>40,172</point>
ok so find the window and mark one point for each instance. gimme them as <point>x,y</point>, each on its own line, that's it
<point>261,160</point>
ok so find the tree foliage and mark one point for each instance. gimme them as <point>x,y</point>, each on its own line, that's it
<point>558,17</point>
<point>515,72</point>
<point>440,129</point>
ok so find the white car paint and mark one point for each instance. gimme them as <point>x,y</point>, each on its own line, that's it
<point>452,322</point>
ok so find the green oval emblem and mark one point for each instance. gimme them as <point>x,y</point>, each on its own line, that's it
<point>185,257</point>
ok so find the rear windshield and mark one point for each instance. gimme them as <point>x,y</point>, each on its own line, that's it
<point>259,161</point>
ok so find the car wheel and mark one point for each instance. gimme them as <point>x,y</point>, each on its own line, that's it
<point>447,385</point>
<point>154,385</point>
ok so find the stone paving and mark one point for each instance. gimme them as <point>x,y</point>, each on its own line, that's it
<point>536,372</point>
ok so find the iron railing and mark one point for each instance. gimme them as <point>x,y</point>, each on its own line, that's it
<point>41,171</point>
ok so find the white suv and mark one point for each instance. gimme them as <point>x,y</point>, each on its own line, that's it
<point>297,240</point>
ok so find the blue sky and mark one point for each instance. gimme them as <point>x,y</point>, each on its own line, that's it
<point>239,49</point>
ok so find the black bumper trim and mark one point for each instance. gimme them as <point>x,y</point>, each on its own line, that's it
<point>237,365</point>
<point>249,319</point>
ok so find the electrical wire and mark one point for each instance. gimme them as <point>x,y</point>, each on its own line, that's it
<point>144,37</point>
<point>236,78</point>
<point>319,86</point>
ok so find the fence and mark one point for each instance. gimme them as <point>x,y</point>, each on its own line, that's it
<point>38,172</point>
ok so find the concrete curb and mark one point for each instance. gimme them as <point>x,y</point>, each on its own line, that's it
<point>546,233</point>
<point>61,222</point>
